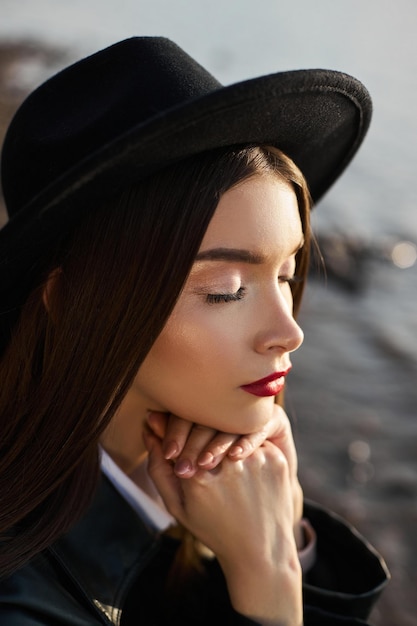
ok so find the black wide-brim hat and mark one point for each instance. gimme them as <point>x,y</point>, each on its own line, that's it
<point>133,108</point>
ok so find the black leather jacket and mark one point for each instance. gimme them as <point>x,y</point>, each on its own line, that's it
<point>109,570</point>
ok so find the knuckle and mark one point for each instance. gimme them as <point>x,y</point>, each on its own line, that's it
<point>276,456</point>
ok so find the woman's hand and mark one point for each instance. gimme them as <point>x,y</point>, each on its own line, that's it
<point>243,511</point>
<point>192,447</point>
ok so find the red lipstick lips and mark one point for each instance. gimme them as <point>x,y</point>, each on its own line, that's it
<point>269,386</point>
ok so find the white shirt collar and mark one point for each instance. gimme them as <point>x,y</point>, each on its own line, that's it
<point>150,509</point>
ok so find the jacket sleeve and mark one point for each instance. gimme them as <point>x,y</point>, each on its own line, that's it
<point>348,574</point>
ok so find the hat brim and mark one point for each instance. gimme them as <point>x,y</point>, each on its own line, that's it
<point>317,117</point>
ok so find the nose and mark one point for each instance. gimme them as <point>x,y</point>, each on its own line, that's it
<point>277,329</point>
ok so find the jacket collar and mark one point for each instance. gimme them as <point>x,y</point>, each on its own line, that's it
<point>106,550</point>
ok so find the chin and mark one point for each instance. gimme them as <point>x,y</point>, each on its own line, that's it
<point>255,420</point>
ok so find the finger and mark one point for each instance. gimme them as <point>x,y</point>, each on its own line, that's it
<point>216,450</point>
<point>161,472</point>
<point>245,445</point>
<point>198,438</point>
<point>279,427</point>
<point>158,421</point>
<point>176,436</point>
<point>276,430</point>
<point>281,436</point>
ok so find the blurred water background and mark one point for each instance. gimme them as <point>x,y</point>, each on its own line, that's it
<point>353,390</point>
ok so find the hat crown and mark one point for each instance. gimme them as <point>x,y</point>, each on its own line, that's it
<point>89,105</point>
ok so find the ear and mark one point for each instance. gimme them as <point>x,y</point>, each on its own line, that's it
<point>50,287</point>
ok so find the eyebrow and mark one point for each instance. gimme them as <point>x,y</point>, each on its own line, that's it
<point>230,254</point>
<point>237,255</point>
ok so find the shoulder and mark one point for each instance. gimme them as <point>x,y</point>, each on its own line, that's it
<point>78,581</point>
<point>38,595</point>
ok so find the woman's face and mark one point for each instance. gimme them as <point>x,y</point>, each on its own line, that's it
<point>232,326</point>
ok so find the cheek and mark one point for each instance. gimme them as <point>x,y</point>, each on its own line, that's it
<point>198,343</point>
<point>187,370</point>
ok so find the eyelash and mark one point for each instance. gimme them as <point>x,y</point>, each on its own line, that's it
<point>217,298</point>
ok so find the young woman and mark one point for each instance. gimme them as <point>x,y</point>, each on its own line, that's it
<point>150,273</point>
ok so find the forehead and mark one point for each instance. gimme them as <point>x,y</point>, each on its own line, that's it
<point>260,211</point>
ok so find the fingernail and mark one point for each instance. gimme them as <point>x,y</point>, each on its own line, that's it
<point>205,459</point>
<point>183,466</point>
<point>235,451</point>
<point>150,417</point>
<point>170,450</point>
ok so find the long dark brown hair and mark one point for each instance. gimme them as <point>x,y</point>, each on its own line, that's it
<point>66,369</point>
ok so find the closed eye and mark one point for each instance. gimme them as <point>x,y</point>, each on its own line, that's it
<point>216,298</point>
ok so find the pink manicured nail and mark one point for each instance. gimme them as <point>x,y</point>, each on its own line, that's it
<point>235,451</point>
<point>183,466</point>
<point>170,450</point>
<point>150,417</point>
<point>205,459</point>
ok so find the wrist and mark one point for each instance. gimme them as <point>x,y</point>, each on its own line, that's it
<point>271,597</point>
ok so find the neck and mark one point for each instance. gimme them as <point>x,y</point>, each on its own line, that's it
<point>122,438</point>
